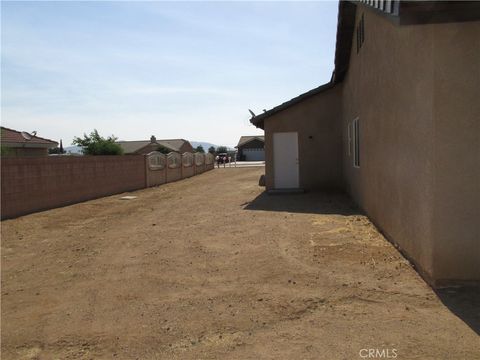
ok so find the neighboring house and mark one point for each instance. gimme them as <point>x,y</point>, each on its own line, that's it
<point>23,144</point>
<point>146,146</point>
<point>251,148</point>
<point>397,127</point>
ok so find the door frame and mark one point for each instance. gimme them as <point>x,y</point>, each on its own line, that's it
<point>296,169</point>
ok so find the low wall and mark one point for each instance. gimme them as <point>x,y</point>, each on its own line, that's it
<point>156,177</point>
<point>188,171</point>
<point>187,165</point>
<point>174,174</point>
<point>209,162</point>
<point>40,183</point>
<point>34,184</point>
<point>209,166</point>
<point>156,170</point>
<point>199,160</point>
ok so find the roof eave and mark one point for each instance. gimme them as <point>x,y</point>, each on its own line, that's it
<point>250,140</point>
<point>258,120</point>
<point>30,145</point>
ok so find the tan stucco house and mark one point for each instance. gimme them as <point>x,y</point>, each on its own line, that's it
<point>147,146</point>
<point>397,127</point>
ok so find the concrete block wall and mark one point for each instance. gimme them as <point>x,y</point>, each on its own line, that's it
<point>39,183</point>
<point>34,184</point>
<point>156,177</point>
<point>188,171</point>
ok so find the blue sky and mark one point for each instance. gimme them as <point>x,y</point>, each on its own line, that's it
<point>173,69</point>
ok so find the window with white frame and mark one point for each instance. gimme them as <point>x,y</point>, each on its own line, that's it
<point>356,142</point>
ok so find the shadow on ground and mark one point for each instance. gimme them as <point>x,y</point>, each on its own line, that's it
<point>463,302</point>
<point>308,203</point>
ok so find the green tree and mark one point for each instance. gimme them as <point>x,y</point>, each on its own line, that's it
<point>5,150</point>
<point>211,149</point>
<point>221,149</point>
<point>94,144</point>
<point>57,150</point>
<point>200,149</point>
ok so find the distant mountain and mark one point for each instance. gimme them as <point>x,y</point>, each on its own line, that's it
<point>206,145</point>
<point>73,150</point>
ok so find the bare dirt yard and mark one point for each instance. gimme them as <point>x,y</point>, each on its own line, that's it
<point>211,268</point>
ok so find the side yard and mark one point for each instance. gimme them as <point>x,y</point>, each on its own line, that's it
<point>209,267</point>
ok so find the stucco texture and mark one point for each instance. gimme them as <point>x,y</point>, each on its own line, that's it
<point>414,91</point>
<point>319,140</point>
<point>457,151</point>
<point>389,88</point>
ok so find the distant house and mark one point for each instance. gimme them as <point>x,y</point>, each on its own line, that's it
<point>21,143</point>
<point>251,148</point>
<point>147,146</point>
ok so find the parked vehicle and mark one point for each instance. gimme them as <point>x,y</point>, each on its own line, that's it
<point>223,158</point>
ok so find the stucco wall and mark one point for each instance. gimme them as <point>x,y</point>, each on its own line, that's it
<point>416,103</point>
<point>389,87</point>
<point>457,151</point>
<point>319,156</point>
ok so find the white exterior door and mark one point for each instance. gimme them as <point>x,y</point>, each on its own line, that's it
<point>285,160</point>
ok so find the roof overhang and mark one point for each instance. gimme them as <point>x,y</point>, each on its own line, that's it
<point>258,120</point>
<point>29,145</point>
<point>259,138</point>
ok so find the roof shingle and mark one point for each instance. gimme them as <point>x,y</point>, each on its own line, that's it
<point>10,136</point>
<point>245,139</point>
<point>133,146</point>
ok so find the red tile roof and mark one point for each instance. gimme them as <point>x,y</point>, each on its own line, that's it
<point>14,136</point>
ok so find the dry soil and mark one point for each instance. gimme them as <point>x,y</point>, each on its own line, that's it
<point>211,268</point>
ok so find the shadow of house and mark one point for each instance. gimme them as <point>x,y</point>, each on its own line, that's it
<point>306,203</point>
<point>464,303</point>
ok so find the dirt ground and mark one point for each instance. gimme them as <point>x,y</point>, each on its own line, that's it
<point>211,268</point>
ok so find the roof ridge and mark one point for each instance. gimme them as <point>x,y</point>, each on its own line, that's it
<point>33,136</point>
<point>150,140</point>
<point>131,140</point>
